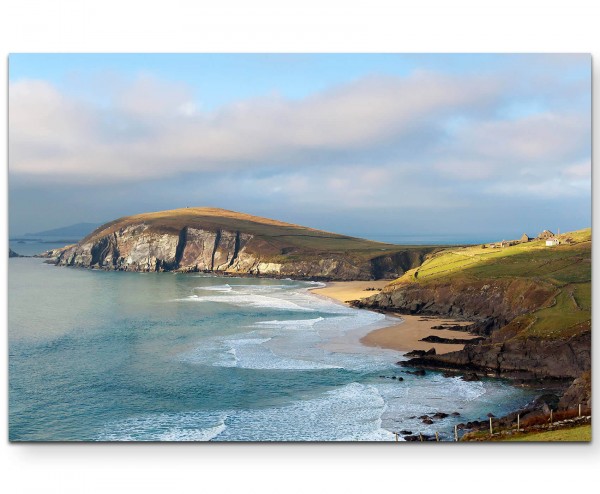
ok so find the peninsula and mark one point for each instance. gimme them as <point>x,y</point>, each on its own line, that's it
<point>227,242</point>
<point>526,305</point>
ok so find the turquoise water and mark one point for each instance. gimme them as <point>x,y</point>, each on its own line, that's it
<point>105,356</point>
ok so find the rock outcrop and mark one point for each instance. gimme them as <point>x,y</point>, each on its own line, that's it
<point>579,393</point>
<point>12,253</point>
<point>490,304</point>
<point>531,306</point>
<point>518,358</point>
<point>147,246</point>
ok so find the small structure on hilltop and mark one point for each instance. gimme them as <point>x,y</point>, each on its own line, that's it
<point>525,238</point>
<point>551,242</point>
<point>546,234</point>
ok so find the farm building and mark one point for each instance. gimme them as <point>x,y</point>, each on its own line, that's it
<point>551,242</point>
<point>546,234</point>
<point>525,238</point>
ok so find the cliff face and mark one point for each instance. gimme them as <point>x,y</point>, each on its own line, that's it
<point>520,358</point>
<point>494,307</point>
<point>139,247</point>
<point>532,303</point>
<point>490,303</point>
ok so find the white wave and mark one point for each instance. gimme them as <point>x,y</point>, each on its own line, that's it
<point>250,353</point>
<point>188,426</point>
<point>215,288</point>
<point>349,413</point>
<point>250,300</point>
<point>317,284</point>
<point>293,323</point>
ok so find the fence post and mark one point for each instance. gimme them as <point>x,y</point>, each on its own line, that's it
<point>491,430</point>
<point>437,437</point>
<point>580,409</point>
<point>518,421</point>
<point>456,433</point>
<point>551,416</point>
<point>420,437</point>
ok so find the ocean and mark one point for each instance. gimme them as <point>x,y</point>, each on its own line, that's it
<point>116,356</point>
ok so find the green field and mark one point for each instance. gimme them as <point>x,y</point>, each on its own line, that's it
<point>277,236</point>
<point>582,433</point>
<point>562,273</point>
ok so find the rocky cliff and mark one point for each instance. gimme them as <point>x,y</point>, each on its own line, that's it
<point>187,241</point>
<point>532,304</point>
<point>490,304</point>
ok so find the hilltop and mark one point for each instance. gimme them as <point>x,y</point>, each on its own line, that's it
<point>531,302</point>
<point>218,240</point>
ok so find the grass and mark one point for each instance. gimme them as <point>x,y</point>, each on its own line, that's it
<point>277,236</point>
<point>561,264</point>
<point>555,280</point>
<point>581,433</point>
<point>563,318</point>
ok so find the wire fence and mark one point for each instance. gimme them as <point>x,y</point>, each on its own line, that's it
<point>534,421</point>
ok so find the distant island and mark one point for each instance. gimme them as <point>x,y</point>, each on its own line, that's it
<point>78,230</point>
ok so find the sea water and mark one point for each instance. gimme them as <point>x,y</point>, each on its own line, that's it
<point>116,356</point>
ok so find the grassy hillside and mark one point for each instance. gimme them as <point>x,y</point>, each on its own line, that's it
<point>564,270</point>
<point>582,433</point>
<point>279,235</point>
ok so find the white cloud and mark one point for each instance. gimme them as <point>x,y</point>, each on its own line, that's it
<point>152,129</point>
<point>427,141</point>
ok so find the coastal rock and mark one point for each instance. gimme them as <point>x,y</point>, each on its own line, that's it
<point>420,353</point>
<point>418,372</point>
<point>12,253</point>
<point>529,358</point>
<point>490,309</point>
<point>579,393</point>
<point>206,240</point>
<point>451,341</point>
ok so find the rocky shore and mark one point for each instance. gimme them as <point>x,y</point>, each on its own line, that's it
<point>205,240</point>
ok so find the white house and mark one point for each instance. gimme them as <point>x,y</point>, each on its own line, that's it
<point>551,242</point>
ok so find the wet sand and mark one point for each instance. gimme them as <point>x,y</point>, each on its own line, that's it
<point>403,336</point>
<point>345,291</point>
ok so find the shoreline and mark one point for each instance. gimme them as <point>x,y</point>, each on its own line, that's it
<point>403,336</point>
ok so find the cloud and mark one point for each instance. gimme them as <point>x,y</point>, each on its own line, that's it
<point>430,150</point>
<point>152,129</point>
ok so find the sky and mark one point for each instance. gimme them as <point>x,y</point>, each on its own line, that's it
<point>388,147</point>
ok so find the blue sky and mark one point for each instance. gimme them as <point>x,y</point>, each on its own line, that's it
<point>382,146</point>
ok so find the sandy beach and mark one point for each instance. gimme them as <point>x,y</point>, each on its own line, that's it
<point>403,336</point>
<point>345,291</point>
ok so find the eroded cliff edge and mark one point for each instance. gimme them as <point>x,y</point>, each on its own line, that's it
<point>220,241</point>
<point>532,303</point>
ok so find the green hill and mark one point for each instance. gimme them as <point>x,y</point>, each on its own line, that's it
<point>218,240</point>
<point>279,234</point>
<point>564,270</point>
<point>531,302</point>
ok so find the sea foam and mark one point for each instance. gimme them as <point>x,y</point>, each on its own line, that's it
<point>249,300</point>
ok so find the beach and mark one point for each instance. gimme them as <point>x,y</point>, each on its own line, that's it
<point>404,336</point>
